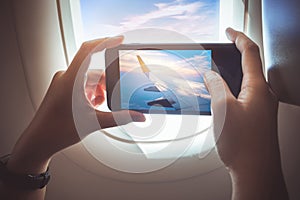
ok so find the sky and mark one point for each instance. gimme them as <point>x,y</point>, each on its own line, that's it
<point>198,20</point>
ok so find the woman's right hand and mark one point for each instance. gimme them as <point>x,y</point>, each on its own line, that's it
<point>247,141</point>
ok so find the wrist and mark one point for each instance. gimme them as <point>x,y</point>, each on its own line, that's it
<point>250,187</point>
<point>26,164</point>
<point>28,155</point>
<point>262,181</point>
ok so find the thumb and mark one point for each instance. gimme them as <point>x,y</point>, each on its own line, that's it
<point>217,88</point>
<point>111,119</point>
<point>220,94</point>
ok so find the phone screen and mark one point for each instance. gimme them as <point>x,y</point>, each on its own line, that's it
<point>164,80</point>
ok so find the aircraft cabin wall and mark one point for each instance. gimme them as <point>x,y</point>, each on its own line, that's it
<point>31,52</point>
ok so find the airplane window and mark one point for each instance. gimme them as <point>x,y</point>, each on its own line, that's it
<point>199,20</point>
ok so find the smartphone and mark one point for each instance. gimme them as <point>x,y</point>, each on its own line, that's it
<point>168,78</point>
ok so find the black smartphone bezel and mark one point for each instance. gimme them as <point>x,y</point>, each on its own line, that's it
<point>226,61</point>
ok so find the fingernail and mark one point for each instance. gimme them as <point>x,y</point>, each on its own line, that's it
<point>118,37</point>
<point>138,117</point>
<point>228,33</point>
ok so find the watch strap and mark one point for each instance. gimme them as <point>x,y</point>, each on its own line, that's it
<point>22,181</point>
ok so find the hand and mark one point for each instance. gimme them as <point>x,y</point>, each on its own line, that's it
<point>95,87</point>
<point>248,141</point>
<point>250,128</point>
<point>52,128</point>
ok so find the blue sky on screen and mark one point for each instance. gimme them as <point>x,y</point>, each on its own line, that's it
<point>180,71</point>
<point>198,20</point>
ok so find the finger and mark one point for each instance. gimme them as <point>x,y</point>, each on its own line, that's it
<point>89,95</point>
<point>111,119</point>
<point>102,81</point>
<point>95,82</point>
<point>217,88</point>
<point>251,62</point>
<point>95,96</point>
<point>82,59</point>
<point>99,91</point>
<point>221,96</point>
<point>101,86</point>
<point>98,100</point>
<point>94,88</point>
<point>94,76</point>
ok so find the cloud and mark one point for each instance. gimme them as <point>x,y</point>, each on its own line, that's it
<point>163,10</point>
<point>167,63</point>
<point>198,64</point>
<point>196,20</point>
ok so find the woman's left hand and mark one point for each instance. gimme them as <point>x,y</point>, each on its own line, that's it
<point>52,128</point>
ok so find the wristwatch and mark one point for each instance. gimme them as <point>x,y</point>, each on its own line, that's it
<point>22,181</point>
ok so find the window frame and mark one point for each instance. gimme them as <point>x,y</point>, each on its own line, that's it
<point>72,33</point>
